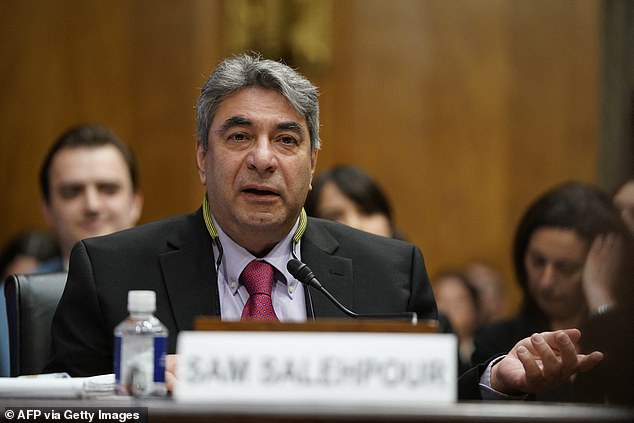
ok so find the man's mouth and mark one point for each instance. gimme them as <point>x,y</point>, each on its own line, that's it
<point>260,192</point>
<point>92,225</point>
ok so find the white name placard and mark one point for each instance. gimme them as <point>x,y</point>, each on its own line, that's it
<point>384,369</point>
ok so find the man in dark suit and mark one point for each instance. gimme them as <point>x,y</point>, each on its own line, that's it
<point>257,147</point>
<point>174,258</point>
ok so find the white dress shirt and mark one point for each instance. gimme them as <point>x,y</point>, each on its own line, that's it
<point>288,293</point>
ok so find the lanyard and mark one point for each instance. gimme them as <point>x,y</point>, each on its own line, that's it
<point>213,232</point>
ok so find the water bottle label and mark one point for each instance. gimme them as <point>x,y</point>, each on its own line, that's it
<point>160,347</point>
<point>117,360</point>
<point>139,361</point>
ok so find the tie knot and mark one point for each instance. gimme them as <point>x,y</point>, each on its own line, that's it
<point>257,278</point>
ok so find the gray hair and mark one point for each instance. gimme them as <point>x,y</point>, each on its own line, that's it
<point>250,70</point>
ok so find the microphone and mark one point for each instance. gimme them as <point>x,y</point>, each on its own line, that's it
<point>302,273</point>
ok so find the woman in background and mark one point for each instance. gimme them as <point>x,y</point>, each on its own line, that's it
<point>570,246</point>
<point>350,196</point>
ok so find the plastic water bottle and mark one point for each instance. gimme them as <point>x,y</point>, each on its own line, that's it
<point>140,343</point>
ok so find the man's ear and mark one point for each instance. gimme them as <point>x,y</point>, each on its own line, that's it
<point>137,207</point>
<point>313,166</point>
<point>201,154</point>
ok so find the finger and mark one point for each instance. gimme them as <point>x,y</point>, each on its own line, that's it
<point>597,244</point>
<point>170,381</point>
<point>573,334</point>
<point>533,374</point>
<point>587,362</point>
<point>526,343</point>
<point>551,337</point>
<point>614,244</point>
<point>568,353</point>
<point>618,242</point>
<point>550,363</point>
<point>170,362</point>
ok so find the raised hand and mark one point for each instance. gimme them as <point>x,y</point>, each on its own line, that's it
<point>541,362</point>
<point>601,270</point>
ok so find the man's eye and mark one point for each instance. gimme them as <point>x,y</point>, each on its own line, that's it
<point>109,189</point>
<point>238,137</point>
<point>69,192</point>
<point>288,140</point>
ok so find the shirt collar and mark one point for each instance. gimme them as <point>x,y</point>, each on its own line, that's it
<point>235,258</point>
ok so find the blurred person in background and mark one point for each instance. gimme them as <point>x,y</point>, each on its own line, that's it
<point>22,254</point>
<point>348,195</point>
<point>89,186</point>
<point>611,327</point>
<point>26,251</point>
<point>457,299</point>
<point>554,249</point>
<point>624,201</point>
<point>492,297</point>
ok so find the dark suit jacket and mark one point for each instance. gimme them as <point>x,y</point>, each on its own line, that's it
<point>174,257</point>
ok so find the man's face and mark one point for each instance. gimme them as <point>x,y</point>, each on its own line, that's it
<point>258,167</point>
<point>554,263</point>
<point>90,194</point>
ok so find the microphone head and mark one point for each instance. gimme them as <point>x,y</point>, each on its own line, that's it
<point>293,266</point>
<point>300,271</point>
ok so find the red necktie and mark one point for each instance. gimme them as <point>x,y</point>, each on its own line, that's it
<point>257,277</point>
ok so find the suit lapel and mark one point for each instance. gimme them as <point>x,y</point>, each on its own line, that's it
<point>335,273</point>
<point>189,273</point>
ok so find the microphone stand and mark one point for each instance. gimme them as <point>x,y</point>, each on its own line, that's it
<point>302,273</point>
<point>405,316</point>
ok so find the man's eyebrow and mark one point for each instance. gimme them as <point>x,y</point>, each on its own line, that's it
<point>291,126</point>
<point>234,121</point>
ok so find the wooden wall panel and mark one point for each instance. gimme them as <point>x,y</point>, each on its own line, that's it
<point>58,67</point>
<point>463,110</point>
<point>132,65</point>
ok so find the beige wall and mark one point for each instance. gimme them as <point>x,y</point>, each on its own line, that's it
<point>465,110</point>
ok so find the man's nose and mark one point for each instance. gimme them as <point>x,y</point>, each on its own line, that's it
<point>92,200</point>
<point>262,156</point>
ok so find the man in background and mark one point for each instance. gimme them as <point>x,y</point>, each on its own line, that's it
<point>89,185</point>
